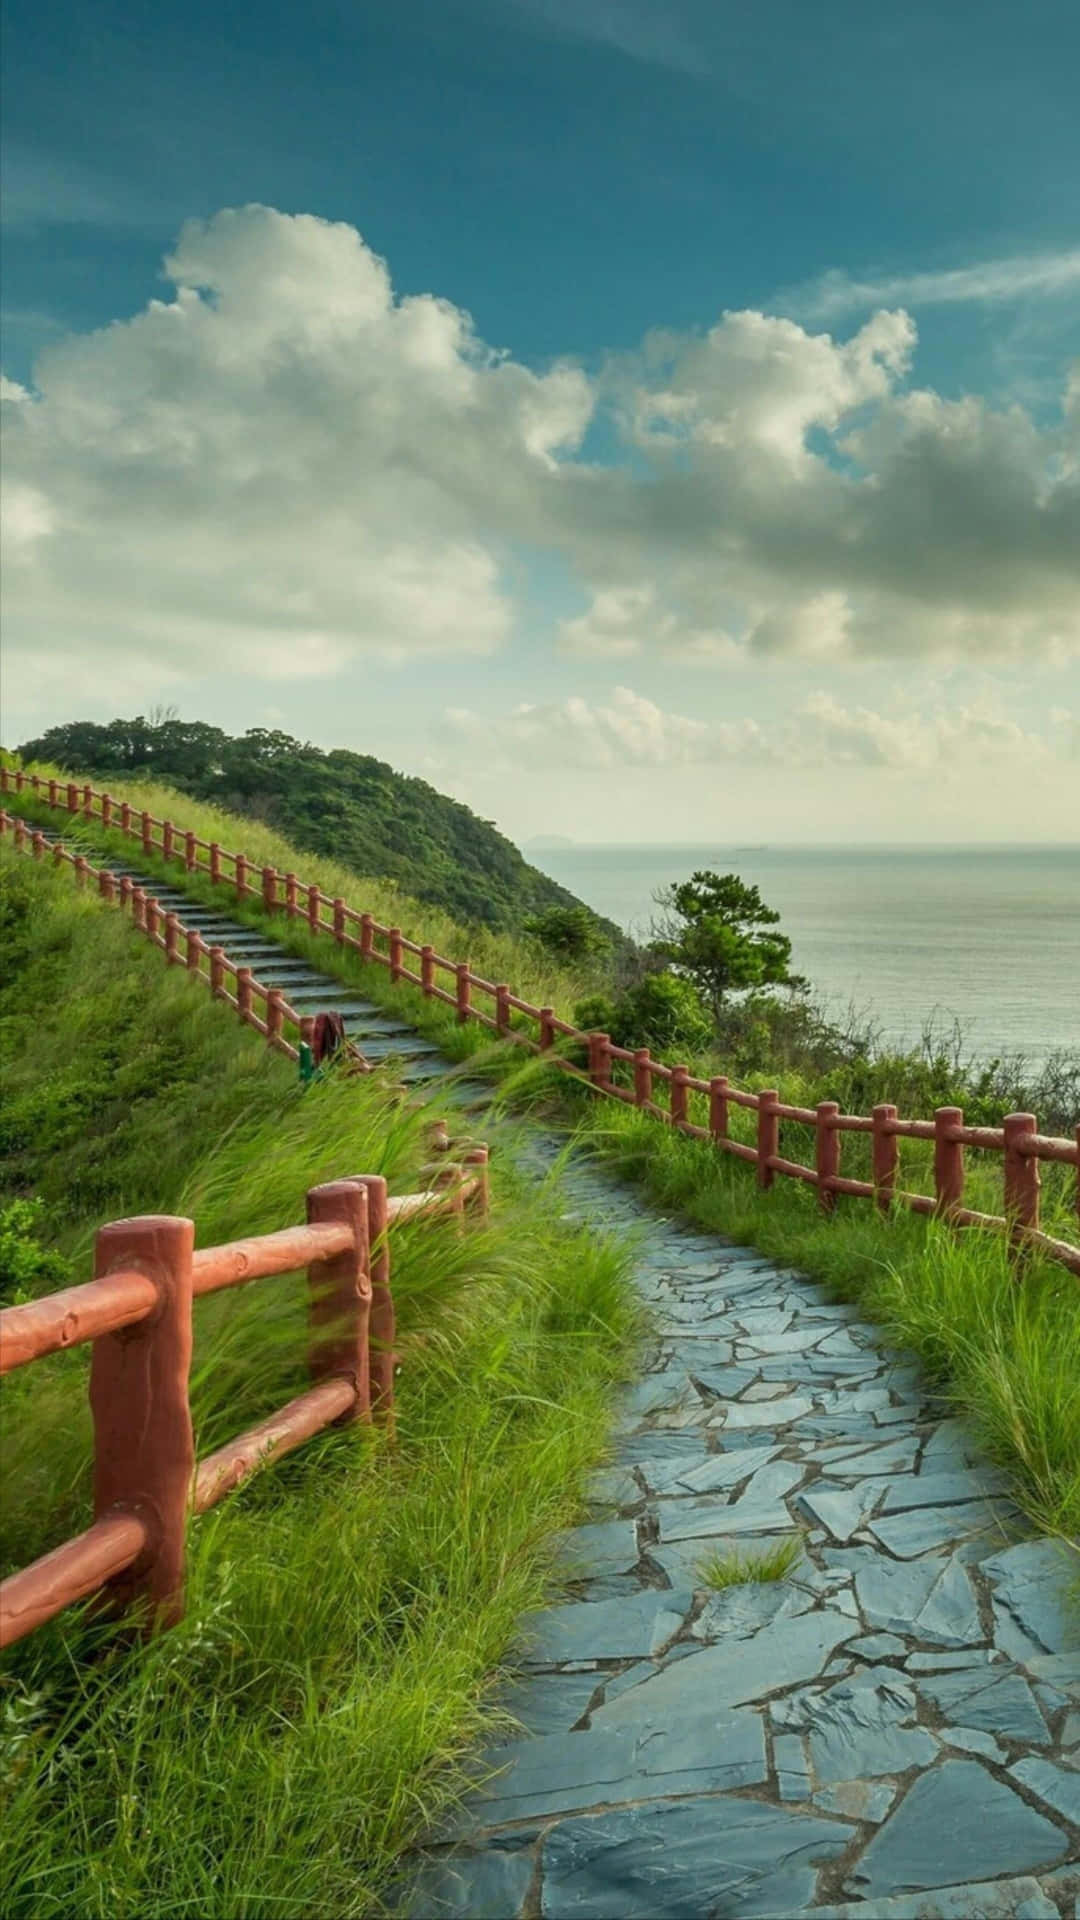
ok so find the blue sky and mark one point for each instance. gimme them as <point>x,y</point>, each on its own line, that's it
<point>574,176</point>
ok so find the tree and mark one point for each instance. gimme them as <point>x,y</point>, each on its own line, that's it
<point>716,933</point>
<point>570,932</point>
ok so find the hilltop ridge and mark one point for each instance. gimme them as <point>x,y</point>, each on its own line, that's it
<point>347,806</point>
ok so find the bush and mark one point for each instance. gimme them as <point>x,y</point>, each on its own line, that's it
<point>26,1267</point>
<point>662,1012</point>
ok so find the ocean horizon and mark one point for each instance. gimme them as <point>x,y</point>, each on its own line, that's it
<point>987,936</point>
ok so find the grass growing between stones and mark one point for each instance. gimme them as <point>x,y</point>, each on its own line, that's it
<point>348,1610</point>
<point>721,1570</point>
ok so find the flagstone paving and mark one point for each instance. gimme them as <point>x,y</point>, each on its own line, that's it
<point>890,1732</point>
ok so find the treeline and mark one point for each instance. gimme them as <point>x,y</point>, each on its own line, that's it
<point>346,806</point>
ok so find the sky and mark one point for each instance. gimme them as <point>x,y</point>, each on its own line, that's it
<point>647,422</point>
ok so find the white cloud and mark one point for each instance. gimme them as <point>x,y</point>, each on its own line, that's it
<point>1024,276</point>
<point>283,467</point>
<point>632,732</point>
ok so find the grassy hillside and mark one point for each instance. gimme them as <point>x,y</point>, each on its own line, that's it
<point>345,806</point>
<point>348,1609</point>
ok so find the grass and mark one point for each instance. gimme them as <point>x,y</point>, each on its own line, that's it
<point>348,1610</point>
<point>721,1570</point>
<point>1006,1354</point>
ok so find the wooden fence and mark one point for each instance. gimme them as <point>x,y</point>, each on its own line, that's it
<point>137,1311</point>
<point>627,1074</point>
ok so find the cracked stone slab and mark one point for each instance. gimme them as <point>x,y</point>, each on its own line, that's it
<point>930,1600</point>
<point>564,1773</point>
<point>1001,1703</point>
<point>1030,1580</point>
<point>842,1511</point>
<point>608,1546</point>
<point>953,1822</point>
<point>623,1629</point>
<point>765,1413</point>
<point>686,1859</point>
<point>708,1473</point>
<point>909,1534</point>
<point>859,1728</point>
<point>741,1611</point>
<point>788,1651</point>
<point>473,1886</point>
<point>551,1704</point>
<point>942,1489</point>
<point>1057,1787</point>
<point>792,1768</point>
<point>974,1740</point>
<point>876,1646</point>
<point>1016,1899</point>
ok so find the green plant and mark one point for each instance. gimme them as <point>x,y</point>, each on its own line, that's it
<point>573,933</point>
<point>755,1565</point>
<point>26,1267</point>
<point>715,933</point>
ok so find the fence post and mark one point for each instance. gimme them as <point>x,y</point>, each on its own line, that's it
<point>948,1159</point>
<point>20,835</point>
<point>291,907</point>
<point>547,1029</point>
<point>395,953</point>
<point>172,938</point>
<point>339,918</point>
<point>314,901</point>
<point>597,1045</point>
<point>127,886</point>
<point>37,844</point>
<point>427,969</point>
<point>167,839</point>
<point>243,992</point>
<point>106,884</point>
<point>275,1014</point>
<point>269,888</point>
<point>147,832</point>
<point>241,876</point>
<point>464,1005</point>
<point>886,1156</point>
<point>718,1106</point>
<point>381,1319</point>
<point>480,1201</point>
<point>153,917</point>
<point>826,1152</point>
<point>215,862</point>
<point>642,1077</point>
<point>1022,1177</point>
<point>144,1450</point>
<point>195,949</point>
<point>72,797</point>
<point>88,802</point>
<point>82,868</point>
<point>680,1096</point>
<point>367,936</point>
<point>125,817</point>
<point>106,809</point>
<point>217,972</point>
<point>339,1295</point>
<point>58,853</point>
<point>53,802</point>
<point>191,853</point>
<point>502,1008</point>
<point>768,1135</point>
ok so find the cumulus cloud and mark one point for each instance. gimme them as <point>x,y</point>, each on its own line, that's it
<point>633,732</point>
<point>283,466</point>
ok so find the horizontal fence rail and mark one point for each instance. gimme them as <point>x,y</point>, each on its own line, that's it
<point>137,1313</point>
<point>1017,1140</point>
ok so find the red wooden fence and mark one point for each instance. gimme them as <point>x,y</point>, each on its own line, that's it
<point>1018,1140</point>
<point>137,1311</point>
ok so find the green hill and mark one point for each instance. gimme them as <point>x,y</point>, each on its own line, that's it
<point>343,805</point>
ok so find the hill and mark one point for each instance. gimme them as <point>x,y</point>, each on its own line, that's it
<point>347,806</point>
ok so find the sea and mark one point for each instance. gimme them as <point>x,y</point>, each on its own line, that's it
<point>985,936</point>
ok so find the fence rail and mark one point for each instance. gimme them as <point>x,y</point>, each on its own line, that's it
<point>1018,1140</point>
<point>137,1313</point>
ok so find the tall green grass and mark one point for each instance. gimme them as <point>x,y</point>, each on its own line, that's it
<point>349,1609</point>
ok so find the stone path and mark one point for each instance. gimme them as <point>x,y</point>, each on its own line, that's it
<point>893,1730</point>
